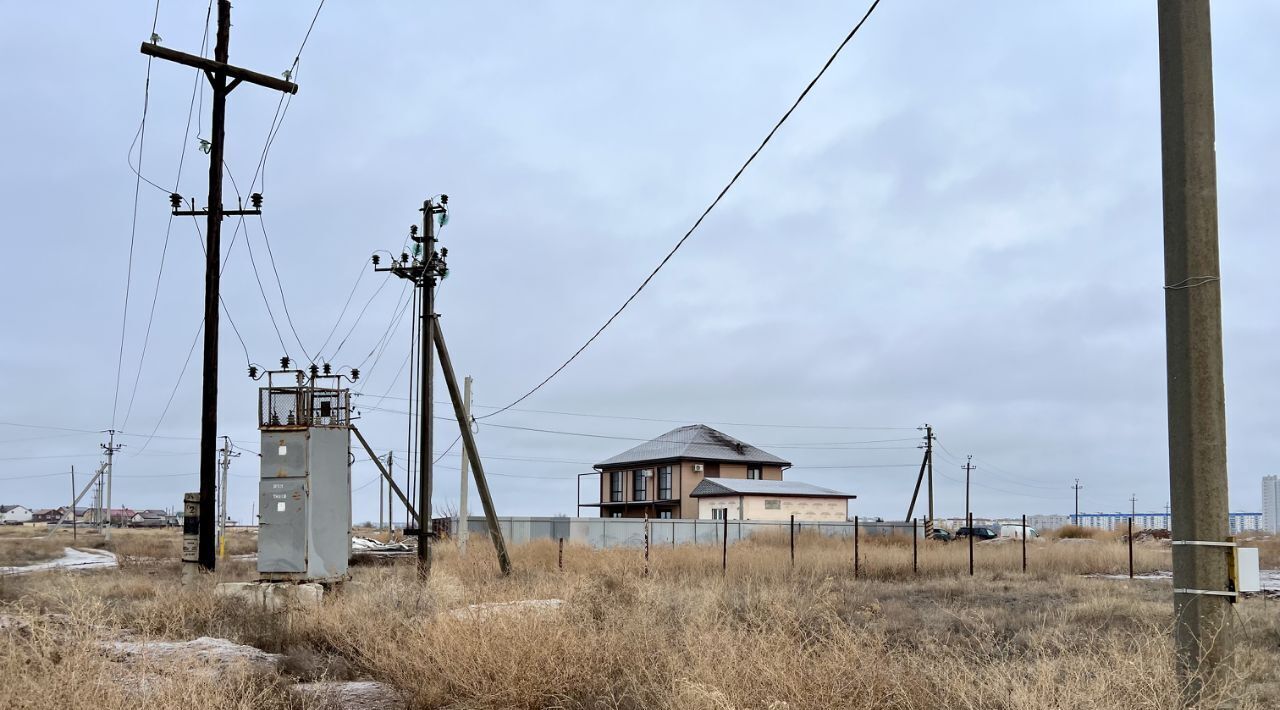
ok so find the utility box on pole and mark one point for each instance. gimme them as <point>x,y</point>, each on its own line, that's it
<point>304,533</point>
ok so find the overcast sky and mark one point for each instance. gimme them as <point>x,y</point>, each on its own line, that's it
<point>961,225</point>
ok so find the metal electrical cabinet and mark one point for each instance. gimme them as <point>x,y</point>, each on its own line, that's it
<point>304,529</point>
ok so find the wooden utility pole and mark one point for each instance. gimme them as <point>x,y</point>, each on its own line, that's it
<point>928,444</point>
<point>423,270</point>
<point>473,454</point>
<point>464,485</point>
<point>1076,488</point>
<point>926,466</point>
<point>1193,342</point>
<point>218,72</point>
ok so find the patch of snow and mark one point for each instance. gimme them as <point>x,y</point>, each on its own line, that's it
<point>364,544</point>
<point>71,559</point>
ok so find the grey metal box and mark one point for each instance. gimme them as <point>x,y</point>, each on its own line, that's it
<point>304,531</point>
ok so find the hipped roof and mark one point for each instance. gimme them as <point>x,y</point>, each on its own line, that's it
<point>697,442</point>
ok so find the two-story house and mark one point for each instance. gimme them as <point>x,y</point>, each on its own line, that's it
<point>658,477</point>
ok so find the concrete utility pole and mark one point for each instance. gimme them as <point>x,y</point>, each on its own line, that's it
<point>1133,505</point>
<point>1193,341</point>
<point>218,71</point>
<point>1076,518</point>
<point>227,455</point>
<point>73,502</point>
<point>391,469</point>
<point>968,469</point>
<point>463,532</point>
<point>111,447</point>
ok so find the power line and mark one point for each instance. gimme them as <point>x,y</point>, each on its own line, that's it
<point>702,217</point>
<point>140,139</point>
<point>168,230</point>
<point>834,427</point>
<point>342,313</point>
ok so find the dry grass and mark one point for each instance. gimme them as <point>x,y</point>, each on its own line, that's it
<point>764,635</point>
<point>27,544</point>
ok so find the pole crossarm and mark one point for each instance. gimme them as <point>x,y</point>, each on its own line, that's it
<point>385,473</point>
<point>212,66</point>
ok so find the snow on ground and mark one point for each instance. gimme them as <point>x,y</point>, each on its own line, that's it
<point>71,559</point>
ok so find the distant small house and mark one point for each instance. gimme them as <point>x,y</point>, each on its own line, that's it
<point>737,499</point>
<point>149,519</point>
<point>47,515</point>
<point>14,514</point>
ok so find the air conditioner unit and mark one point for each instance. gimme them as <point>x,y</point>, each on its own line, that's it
<point>697,468</point>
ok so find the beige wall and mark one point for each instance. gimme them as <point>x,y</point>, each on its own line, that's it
<point>753,507</point>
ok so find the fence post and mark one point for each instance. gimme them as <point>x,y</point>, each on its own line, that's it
<point>560,556</point>
<point>724,556</point>
<point>646,545</point>
<point>855,547</point>
<point>793,541</point>
<point>915,548</point>
<point>970,523</point>
<point>1131,547</point>
<point>1024,543</point>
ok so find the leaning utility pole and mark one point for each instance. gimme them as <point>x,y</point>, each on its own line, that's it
<point>111,447</point>
<point>218,71</point>
<point>1193,342</point>
<point>464,485</point>
<point>1076,518</point>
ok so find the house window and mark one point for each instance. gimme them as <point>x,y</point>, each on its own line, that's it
<point>772,504</point>
<point>719,513</point>
<point>664,483</point>
<point>639,485</point>
<point>664,514</point>
<point>753,473</point>
<point>615,486</point>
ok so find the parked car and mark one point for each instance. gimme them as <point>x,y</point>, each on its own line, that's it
<point>941,535</point>
<point>980,533</point>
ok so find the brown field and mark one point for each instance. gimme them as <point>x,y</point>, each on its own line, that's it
<point>764,635</point>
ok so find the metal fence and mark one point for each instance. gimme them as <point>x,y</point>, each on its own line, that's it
<point>629,532</point>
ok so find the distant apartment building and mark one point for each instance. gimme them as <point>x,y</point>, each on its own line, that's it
<point>1048,522</point>
<point>1237,522</point>
<point>1271,504</point>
